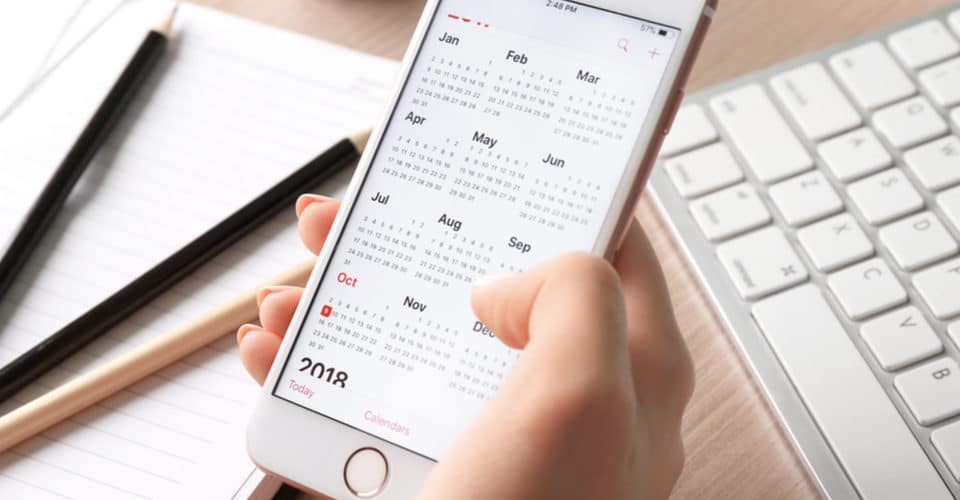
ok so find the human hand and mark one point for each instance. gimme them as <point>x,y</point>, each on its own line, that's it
<point>593,407</point>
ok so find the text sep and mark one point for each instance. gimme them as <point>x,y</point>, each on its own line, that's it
<point>519,245</point>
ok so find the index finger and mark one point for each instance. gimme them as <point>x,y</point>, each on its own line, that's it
<point>316,214</point>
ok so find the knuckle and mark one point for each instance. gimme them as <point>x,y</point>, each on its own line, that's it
<point>664,369</point>
<point>600,400</point>
<point>590,270</point>
<point>688,381</point>
<point>678,384</point>
<point>683,376</point>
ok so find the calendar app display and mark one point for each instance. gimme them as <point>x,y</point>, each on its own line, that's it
<point>505,148</point>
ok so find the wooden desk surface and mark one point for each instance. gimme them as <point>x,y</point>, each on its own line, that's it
<point>735,447</point>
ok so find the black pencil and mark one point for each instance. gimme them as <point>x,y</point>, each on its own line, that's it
<point>286,492</point>
<point>45,209</point>
<point>50,352</point>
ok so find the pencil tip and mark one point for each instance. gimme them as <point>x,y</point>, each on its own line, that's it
<point>360,139</point>
<point>165,26</point>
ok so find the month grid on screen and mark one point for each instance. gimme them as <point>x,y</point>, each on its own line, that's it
<point>505,148</point>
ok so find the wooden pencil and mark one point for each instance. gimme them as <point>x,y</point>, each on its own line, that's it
<point>54,194</point>
<point>108,379</point>
<point>50,352</point>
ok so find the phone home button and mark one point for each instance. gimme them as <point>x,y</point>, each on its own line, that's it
<point>365,472</point>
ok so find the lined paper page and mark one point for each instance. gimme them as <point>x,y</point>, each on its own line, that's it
<point>27,33</point>
<point>36,35</point>
<point>233,107</point>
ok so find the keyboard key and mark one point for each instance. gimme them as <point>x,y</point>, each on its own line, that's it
<point>730,212</point>
<point>947,443</point>
<point>835,243</point>
<point>955,116</point>
<point>901,338</point>
<point>885,197</point>
<point>704,170</point>
<point>855,155</point>
<point>918,241</point>
<point>955,22</point>
<point>806,199</point>
<point>932,391</point>
<point>911,122</point>
<point>873,444</point>
<point>936,164</point>
<point>949,202</point>
<point>938,286</point>
<point>815,101</point>
<point>691,129</point>
<point>872,76</point>
<point>943,83</point>
<point>866,289</point>
<point>762,263</point>
<point>924,44</point>
<point>761,134</point>
<point>954,331</point>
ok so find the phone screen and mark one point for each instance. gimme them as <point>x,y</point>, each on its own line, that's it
<point>505,148</point>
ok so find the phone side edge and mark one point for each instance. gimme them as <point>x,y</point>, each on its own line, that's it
<point>664,122</point>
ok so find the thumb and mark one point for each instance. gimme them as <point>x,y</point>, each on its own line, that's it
<point>549,425</point>
<point>574,301</point>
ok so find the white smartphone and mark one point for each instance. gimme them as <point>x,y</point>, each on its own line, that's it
<point>521,130</point>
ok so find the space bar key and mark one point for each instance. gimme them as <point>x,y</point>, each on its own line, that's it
<point>870,439</point>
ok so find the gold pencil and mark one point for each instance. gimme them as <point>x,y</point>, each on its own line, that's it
<point>89,388</point>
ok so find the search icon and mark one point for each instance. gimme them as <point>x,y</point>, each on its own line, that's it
<point>624,44</point>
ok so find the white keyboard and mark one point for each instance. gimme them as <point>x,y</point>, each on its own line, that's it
<point>819,202</point>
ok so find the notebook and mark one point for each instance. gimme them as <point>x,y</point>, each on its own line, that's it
<point>35,36</point>
<point>233,107</point>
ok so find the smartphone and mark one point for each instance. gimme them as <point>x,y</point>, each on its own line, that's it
<point>521,130</point>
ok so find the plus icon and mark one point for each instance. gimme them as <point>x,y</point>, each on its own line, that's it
<point>653,53</point>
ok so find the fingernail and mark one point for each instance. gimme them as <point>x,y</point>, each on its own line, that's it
<point>306,200</point>
<point>243,331</point>
<point>485,281</point>
<point>267,290</point>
